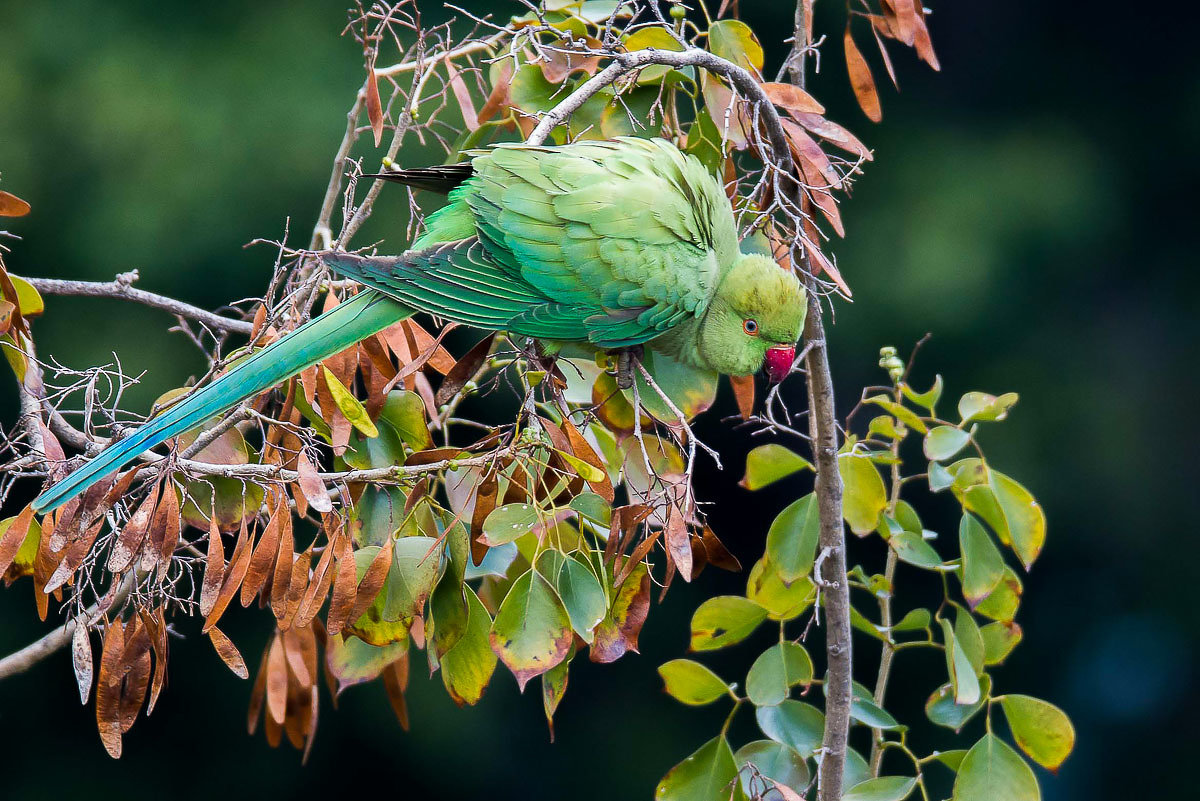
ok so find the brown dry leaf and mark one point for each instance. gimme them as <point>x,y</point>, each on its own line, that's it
<point>924,45</point>
<point>464,370</point>
<point>635,556</point>
<point>265,553</point>
<point>239,563</point>
<point>229,653</point>
<point>834,133</point>
<point>395,679</point>
<point>792,98</point>
<point>558,66</point>
<point>485,502</point>
<point>743,391</point>
<point>861,80</point>
<point>322,578</point>
<point>293,652</point>
<point>137,677</point>
<point>12,206</point>
<point>883,53</point>
<point>298,586</point>
<point>818,171</point>
<point>374,106</point>
<point>214,568</point>
<point>277,681</point>
<point>678,541</point>
<point>345,588</point>
<point>81,659</point>
<point>258,694</point>
<point>156,625</point>
<point>312,486</point>
<point>463,95</point>
<point>10,543</point>
<point>906,17</point>
<point>108,690</point>
<point>715,552</point>
<point>583,449</point>
<point>372,582</point>
<point>498,98</point>
<point>281,579</point>
<point>312,725</point>
<point>173,529</point>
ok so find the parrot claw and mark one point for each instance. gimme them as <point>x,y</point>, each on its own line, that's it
<point>625,362</point>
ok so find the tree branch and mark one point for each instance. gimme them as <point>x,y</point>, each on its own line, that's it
<point>122,288</point>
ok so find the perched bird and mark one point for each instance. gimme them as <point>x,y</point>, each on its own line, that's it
<point>614,244</point>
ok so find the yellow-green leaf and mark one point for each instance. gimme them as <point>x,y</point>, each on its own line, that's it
<point>349,405</point>
<point>769,463</point>
<point>864,494</point>
<point>992,770</point>
<point>1042,730</point>
<point>724,620</point>
<point>691,682</point>
<point>733,40</point>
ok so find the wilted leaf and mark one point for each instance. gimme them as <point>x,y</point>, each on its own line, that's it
<point>619,630</point>
<point>792,98</point>
<point>468,666</point>
<point>1042,730</point>
<point>733,40</point>
<point>351,661</point>
<point>724,620</point>
<point>374,105</point>
<point>691,682</point>
<point>532,631</point>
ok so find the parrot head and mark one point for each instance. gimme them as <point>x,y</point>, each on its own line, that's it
<point>754,320</point>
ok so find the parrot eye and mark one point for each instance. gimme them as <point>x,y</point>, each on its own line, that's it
<point>750,327</point>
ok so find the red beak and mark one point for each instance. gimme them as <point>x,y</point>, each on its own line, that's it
<point>778,363</point>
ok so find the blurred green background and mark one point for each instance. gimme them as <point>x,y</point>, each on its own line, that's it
<point>1032,206</point>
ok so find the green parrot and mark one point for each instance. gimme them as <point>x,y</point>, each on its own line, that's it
<point>614,244</point>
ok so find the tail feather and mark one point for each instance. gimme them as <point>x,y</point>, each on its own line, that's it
<point>358,318</point>
<point>441,179</point>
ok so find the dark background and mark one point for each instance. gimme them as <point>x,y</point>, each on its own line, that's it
<point>1032,206</point>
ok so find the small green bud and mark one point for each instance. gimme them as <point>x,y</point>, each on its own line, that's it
<point>678,11</point>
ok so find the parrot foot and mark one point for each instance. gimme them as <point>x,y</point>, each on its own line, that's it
<point>626,358</point>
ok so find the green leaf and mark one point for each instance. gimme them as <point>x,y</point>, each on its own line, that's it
<point>792,538</point>
<point>734,41</point>
<point>913,620</point>
<point>768,463</point>
<point>415,565</point>
<point>942,442</point>
<point>992,770</point>
<point>593,507</point>
<point>554,687</point>
<point>532,631</point>
<point>448,602</point>
<point>885,788</point>
<point>691,389</point>
<point>864,494</point>
<point>704,142</point>
<point>999,640</point>
<point>952,758</point>
<point>578,589</point>
<point>401,422</point>
<point>508,522</point>
<point>691,682</point>
<point>927,399</point>
<point>984,407</point>
<point>798,725</point>
<point>966,634</point>
<point>1042,730</point>
<point>468,666</point>
<point>860,622</point>
<point>724,620</point>
<point>1003,601</point>
<point>1024,516</point>
<point>941,709</point>
<point>652,37</point>
<point>870,714</point>
<point>958,666</point>
<point>982,564</point>
<point>773,761</point>
<point>704,776</point>
<point>349,405</point>
<point>782,601</point>
<point>886,426</point>
<point>777,669</point>
<point>531,92</point>
<point>899,411</point>
<point>351,661</point>
<point>907,517</point>
<point>857,770</point>
<point>912,548</point>
<point>939,477</point>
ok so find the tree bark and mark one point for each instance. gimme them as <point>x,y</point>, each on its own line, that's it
<point>822,418</point>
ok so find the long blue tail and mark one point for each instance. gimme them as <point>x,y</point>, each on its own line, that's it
<point>356,319</point>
